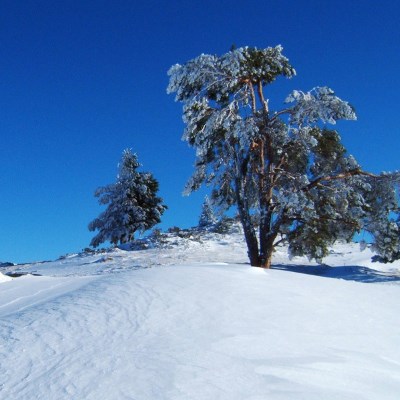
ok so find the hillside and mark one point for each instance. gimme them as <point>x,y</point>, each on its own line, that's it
<point>189,319</point>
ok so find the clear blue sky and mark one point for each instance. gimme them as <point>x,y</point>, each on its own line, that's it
<point>82,80</point>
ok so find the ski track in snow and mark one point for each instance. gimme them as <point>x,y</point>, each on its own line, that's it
<point>198,330</point>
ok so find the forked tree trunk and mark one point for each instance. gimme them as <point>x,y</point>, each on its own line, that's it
<point>260,255</point>
<point>259,251</point>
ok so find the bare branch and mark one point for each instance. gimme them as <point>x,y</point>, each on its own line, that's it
<point>264,103</point>
<point>342,175</point>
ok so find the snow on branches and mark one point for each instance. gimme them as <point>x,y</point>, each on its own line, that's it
<point>319,104</point>
<point>132,204</point>
<point>289,179</point>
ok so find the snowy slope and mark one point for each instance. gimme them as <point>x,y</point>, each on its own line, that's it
<point>194,321</point>
<point>4,278</point>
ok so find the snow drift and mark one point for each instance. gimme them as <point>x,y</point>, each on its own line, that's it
<point>200,325</point>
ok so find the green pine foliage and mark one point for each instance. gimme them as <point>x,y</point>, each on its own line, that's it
<point>280,167</point>
<point>132,204</point>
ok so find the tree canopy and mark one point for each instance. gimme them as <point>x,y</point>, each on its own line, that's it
<point>288,174</point>
<point>132,204</point>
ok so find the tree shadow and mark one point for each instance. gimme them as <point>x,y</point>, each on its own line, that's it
<point>348,273</point>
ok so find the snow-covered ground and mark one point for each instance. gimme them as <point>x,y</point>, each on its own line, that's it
<point>193,321</point>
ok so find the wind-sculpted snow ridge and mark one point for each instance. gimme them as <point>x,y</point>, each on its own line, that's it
<point>200,325</point>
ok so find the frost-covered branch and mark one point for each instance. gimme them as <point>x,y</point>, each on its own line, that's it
<point>284,174</point>
<point>319,104</point>
<point>342,175</point>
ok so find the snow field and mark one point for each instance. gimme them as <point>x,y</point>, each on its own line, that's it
<point>205,331</point>
<point>4,278</point>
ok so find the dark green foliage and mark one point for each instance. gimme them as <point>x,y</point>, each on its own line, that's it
<point>287,177</point>
<point>132,204</point>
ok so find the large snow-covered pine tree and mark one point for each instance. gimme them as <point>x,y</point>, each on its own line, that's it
<point>289,176</point>
<point>132,204</point>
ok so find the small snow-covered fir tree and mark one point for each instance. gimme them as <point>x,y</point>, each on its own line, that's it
<point>132,204</point>
<point>280,168</point>
<point>207,216</point>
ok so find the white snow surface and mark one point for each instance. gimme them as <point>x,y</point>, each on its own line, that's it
<point>4,278</point>
<point>195,321</point>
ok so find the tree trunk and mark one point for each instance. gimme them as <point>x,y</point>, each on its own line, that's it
<point>250,236</point>
<point>252,247</point>
<point>267,239</point>
<point>247,224</point>
<point>267,262</point>
<point>266,250</point>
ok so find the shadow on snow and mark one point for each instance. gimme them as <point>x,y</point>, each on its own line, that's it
<point>348,273</point>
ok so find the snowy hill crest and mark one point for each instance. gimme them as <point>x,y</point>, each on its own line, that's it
<point>222,242</point>
<point>188,318</point>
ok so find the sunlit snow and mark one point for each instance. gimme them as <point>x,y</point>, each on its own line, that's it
<point>191,320</point>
